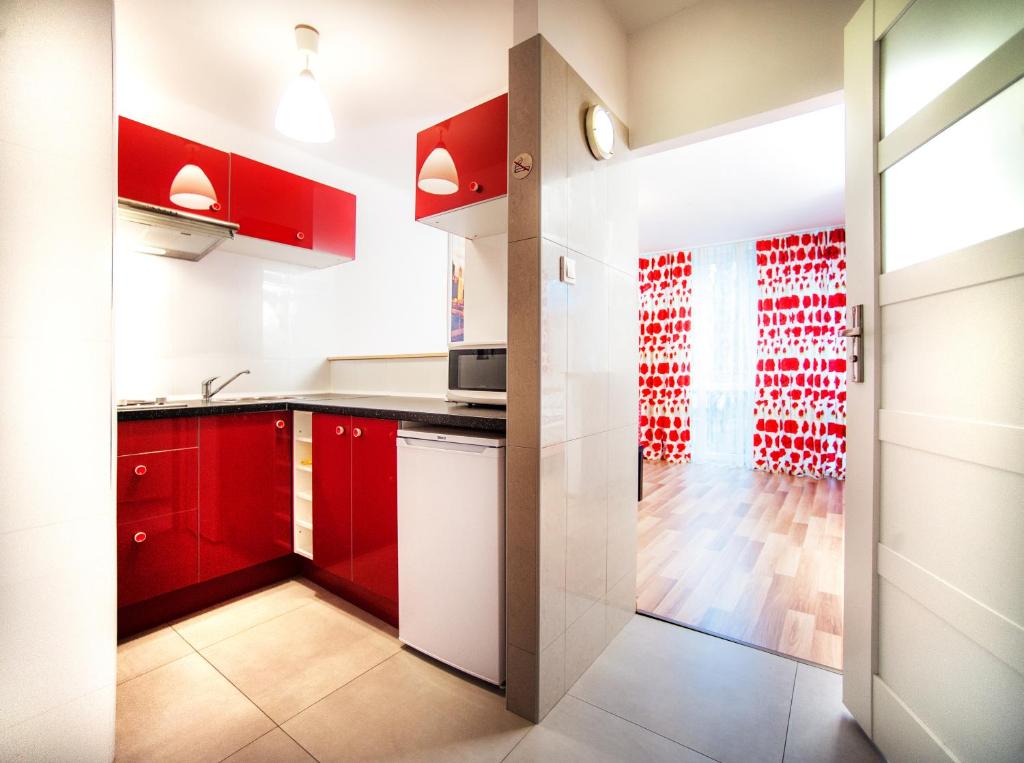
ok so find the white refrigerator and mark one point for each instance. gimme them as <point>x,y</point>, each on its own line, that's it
<point>451,547</point>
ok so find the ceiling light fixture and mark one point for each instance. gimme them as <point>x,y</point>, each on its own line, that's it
<point>303,113</point>
<point>438,174</point>
<point>192,189</point>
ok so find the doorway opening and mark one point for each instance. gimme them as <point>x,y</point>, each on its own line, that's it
<point>743,385</point>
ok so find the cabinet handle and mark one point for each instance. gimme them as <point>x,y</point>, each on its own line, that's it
<point>215,206</point>
<point>475,187</point>
<point>279,423</point>
<point>139,537</point>
<point>340,430</point>
<point>140,470</point>
<point>300,235</point>
<point>357,432</point>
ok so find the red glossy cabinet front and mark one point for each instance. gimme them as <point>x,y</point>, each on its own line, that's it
<point>332,494</point>
<point>477,140</point>
<point>271,204</point>
<point>150,484</point>
<point>156,555</point>
<point>375,506</point>
<point>245,490</point>
<point>148,160</point>
<point>334,221</point>
<point>157,434</point>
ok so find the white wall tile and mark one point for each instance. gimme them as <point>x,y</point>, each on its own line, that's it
<point>587,365</point>
<point>586,524</point>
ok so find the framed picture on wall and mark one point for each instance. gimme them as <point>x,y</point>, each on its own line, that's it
<point>456,289</point>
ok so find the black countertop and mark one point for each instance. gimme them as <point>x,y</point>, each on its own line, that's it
<point>423,410</point>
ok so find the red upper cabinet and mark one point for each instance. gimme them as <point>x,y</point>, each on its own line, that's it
<point>332,494</point>
<point>477,140</point>
<point>375,506</point>
<point>271,205</point>
<point>148,160</point>
<point>245,489</point>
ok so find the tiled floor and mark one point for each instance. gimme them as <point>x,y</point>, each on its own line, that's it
<point>294,673</point>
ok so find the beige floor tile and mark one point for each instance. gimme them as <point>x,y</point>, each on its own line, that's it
<point>576,731</point>
<point>274,747</point>
<point>821,730</point>
<point>148,651</point>
<point>184,711</point>
<point>409,709</point>
<point>286,664</point>
<point>726,701</point>
<point>224,620</point>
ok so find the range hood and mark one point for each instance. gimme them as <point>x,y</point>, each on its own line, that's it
<point>150,229</point>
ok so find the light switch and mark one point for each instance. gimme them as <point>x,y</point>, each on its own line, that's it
<point>567,270</point>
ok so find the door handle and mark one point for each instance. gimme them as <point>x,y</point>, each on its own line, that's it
<point>854,331</point>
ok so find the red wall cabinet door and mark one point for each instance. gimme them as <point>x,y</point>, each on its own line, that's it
<point>271,204</point>
<point>477,139</point>
<point>375,506</point>
<point>245,488</point>
<point>332,494</point>
<point>156,555</point>
<point>334,221</point>
<point>148,159</point>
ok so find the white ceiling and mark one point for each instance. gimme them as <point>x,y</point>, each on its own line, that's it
<point>388,68</point>
<point>637,14</point>
<point>783,176</point>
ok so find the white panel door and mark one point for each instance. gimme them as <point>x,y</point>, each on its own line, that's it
<point>935,490</point>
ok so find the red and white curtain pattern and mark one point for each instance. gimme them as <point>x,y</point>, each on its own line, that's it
<point>800,408</point>
<point>665,356</point>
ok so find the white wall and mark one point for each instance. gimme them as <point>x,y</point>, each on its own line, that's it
<point>57,552</point>
<point>588,36</point>
<point>179,322</point>
<point>723,61</point>
<point>487,289</point>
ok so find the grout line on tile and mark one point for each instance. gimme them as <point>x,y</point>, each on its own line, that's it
<point>236,687</point>
<point>305,603</point>
<point>640,725</point>
<point>339,688</point>
<point>311,755</point>
<point>789,717</point>
<point>157,667</point>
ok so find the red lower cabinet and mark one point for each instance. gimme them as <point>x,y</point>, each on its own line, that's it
<point>151,484</point>
<point>332,494</point>
<point>375,506</point>
<point>245,513</point>
<point>156,555</point>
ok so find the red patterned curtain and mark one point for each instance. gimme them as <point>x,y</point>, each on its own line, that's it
<point>800,407</point>
<point>665,356</point>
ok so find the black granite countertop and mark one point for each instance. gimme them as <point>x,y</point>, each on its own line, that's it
<point>423,410</point>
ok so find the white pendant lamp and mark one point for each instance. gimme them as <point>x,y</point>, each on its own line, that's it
<point>303,113</point>
<point>438,174</point>
<point>191,189</point>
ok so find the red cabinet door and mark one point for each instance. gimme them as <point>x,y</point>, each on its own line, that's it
<point>375,506</point>
<point>245,488</point>
<point>332,494</point>
<point>156,555</point>
<point>271,204</point>
<point>148,159</point>
<point>334,221</point>
<point>146,436</point>
<point>151,484</point>
<point>477,139</point>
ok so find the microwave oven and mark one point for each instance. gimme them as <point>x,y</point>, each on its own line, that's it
<point>476,374</point>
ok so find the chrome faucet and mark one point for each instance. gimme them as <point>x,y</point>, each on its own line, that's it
<point>208,393</point>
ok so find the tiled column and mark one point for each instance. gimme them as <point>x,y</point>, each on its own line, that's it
<point>572,459</point>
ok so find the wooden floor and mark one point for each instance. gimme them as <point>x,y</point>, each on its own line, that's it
<point>751,556</point>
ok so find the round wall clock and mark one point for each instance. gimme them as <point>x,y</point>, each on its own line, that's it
<point>600,132</point>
